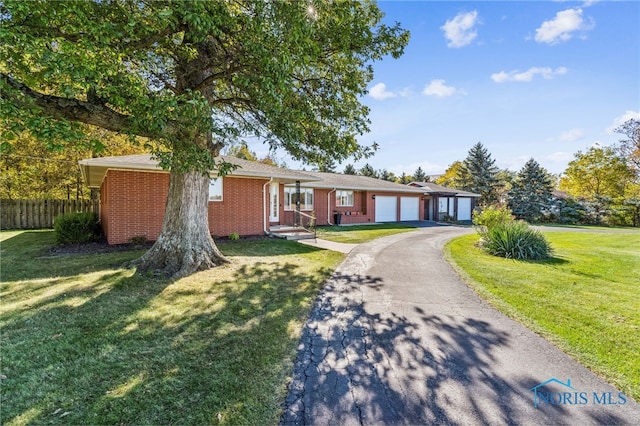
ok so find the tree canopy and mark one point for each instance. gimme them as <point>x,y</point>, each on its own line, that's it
<point>451,178</point>
<point>629,147</point>
<point>194,75</point>
<point>598,172</point>
<point>191,77</point>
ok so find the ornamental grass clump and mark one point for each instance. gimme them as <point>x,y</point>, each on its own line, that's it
<point>501,235</point>
<point>515,240</point>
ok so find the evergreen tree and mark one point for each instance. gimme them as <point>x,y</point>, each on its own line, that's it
<point>326,165</point>
<point>405,179</point>
<point>350,170</point>
<point>384,174</point>
<point>531,192</point>
<point>419,175</point>
<point>369,171</point>
<point>479,174</point>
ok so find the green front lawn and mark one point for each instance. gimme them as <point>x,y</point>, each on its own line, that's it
<point>87,342</point>
<point>357,234</point>
<point>586,299</point>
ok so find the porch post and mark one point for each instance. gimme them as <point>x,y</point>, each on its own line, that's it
<point>297,218</point>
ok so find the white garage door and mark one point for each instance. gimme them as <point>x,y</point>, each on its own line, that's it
<point>464,208</point>
<point>386,209</point>
<point>409,208</point>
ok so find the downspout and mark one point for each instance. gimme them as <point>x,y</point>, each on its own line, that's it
<point>329,206</point>
<point>264,205</point>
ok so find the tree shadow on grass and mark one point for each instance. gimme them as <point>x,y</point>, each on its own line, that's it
<point>361,363</point>
<point>28,255</point>
<point>128,350</point>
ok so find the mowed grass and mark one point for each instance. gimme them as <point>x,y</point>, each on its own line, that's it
<point>87,342</point>
<point>586,299</point>
<point>357,234</point>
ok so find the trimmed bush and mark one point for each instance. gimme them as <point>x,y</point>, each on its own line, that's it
<point>77,228</point>
<point>515,240</point>
<point>492,216</point>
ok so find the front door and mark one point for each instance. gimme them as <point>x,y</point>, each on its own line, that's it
<point>274,203</point>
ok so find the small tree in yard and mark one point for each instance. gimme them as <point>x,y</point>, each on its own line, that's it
<point>531,192</point>
<point>192,77</point>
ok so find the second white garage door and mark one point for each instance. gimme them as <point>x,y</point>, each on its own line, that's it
<point>386,209</point>
<point>409,208</point>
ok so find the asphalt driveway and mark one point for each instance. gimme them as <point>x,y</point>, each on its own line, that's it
<point>397,338</point>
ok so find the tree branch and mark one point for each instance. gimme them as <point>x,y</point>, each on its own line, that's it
<point>72,109</point>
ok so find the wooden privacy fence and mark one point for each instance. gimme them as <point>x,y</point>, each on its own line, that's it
<point>33,214</point>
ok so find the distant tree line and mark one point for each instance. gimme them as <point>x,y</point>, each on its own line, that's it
<point>600,185</point>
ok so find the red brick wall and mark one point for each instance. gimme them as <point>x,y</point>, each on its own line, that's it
<point>241,208</point>
<point>133,204</point>
<point>362,211</point>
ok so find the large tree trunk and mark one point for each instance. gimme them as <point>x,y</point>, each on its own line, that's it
<point>185,245</point>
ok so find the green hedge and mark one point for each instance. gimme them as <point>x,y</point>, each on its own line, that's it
<point>77,228</point>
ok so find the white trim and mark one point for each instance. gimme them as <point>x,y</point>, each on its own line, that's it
<point>329,206</point>
<point>275,218</point>
<point>265,206</point>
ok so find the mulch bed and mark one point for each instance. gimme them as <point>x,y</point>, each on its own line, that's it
<point>102,246</point>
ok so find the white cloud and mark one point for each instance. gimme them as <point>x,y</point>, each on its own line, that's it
<point>439,89</point>
<point>460,31</point>
<point>618,121</point>
<point>528,75</point>
<point>571,135</point>
<point>563,26</point>
<point>406,92</point>
<point>380,92</point>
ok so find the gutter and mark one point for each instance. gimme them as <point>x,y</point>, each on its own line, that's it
<point>329,206</point>
<point>264,206</point>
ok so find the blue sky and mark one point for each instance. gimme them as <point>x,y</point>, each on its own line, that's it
<point>539,79</point>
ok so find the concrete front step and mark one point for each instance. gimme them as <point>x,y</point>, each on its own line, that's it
<point>292,233</point>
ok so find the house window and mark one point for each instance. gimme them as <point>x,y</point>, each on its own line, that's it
<point>291,197</point>
<point>344,198</point>
<point>215,189</point>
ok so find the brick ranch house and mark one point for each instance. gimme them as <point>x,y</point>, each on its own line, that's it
<point>252,200</point>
